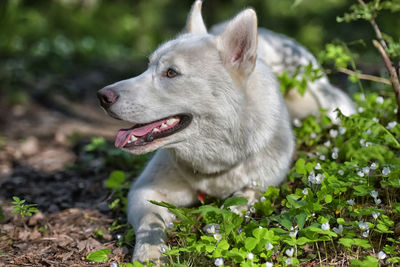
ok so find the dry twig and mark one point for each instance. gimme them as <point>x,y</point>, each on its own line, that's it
<point>365,76</point>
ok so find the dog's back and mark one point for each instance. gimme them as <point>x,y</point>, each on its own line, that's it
<point>284,54</point>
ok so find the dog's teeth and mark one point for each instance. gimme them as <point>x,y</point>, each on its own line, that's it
<point>156,130</point>
<point>133,138</point>
<point>163,126</point>
<point>172,121</point>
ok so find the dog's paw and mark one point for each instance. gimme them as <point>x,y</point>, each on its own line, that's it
<point>151,253</point>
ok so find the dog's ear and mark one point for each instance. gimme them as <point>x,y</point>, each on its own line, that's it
<point>238,43</point>
<point>195,23</point>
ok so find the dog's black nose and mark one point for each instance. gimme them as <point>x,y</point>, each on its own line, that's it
<point>107,97</point>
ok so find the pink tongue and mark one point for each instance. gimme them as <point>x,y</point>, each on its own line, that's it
<point>125,134</point>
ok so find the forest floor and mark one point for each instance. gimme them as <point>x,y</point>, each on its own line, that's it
<point>38,163</point>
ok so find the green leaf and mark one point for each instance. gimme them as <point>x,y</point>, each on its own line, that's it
<point>348,242</point>
<point>367,262</point>
<point>301,219</point>
<point>286,220</point>
<point>136,264</point>
<point>250,243</point>
<point>99,255</point>
<point>328,198</point>
<point>300,166</point>
<point>116,179</point>
<point>235,201</point>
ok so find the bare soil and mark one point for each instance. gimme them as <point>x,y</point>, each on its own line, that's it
<point>39,164</point>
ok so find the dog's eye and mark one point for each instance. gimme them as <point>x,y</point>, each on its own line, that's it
<point>171,73</point>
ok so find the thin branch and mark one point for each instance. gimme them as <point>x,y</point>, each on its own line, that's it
<point>382,47</point>
<point>394,79</point>
<point>376,28</point>
<point>365,76</point>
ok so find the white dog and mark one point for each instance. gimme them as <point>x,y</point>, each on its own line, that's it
<point>211,105</point>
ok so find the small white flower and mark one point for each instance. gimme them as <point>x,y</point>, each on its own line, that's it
<point>211,228</point>
<point>313,135</point>
<point>338,229</point>
<point>250,256</point>
<point>375,119</point>
<point>269,246</point>
<point>311,177</point>
<point>319,178</point>
<point>379,100</point>
<point>362,97</point>
<point>365,234</point>
<point>335,155</point>
<point>362,142</point>
<point>305,191</point>
<point>333,133</point>
<point>288,261</point>
<point>293,234</point>
<point>366,170</point>
<point>171,225</point>
<point>114,264</point>
<point>325,226</point>
<point>351,202</point>
<point>217,236</point>
<point>360,109</point>
<point>376,214</point>
<point>381,255</point>
<point>289,252</point>
<point>327,143</point>
<point>374,193</point>
<point>252,210</point>
<point>363,225</point>
<point>297,123</point>
<point>119,237</point>
<point>342,130</point>
<point>219,262</point>
<point>163,249</point>
<point>341,172</point>
<point>318,166</point>
<point>335,149</point>
<point>386,171</point>
<point>262,199</point>
<point>234,210</point>
<point>377,201</point>
<point>368,131</point>
<point>360,173</point>
<point>373,166</point>
<point>367,144</point>
<point>391,125</point>
<point>322,157</point>
<point>268,264</point>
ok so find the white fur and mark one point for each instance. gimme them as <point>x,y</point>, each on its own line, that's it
<point>240,139</point>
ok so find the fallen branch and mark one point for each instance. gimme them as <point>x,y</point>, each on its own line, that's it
<point>365,76</point>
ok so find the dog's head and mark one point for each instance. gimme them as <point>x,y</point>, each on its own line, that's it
<point>192,91</point>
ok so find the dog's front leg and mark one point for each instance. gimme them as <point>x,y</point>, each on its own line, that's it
<point>160,182</point>
<point>248,193</point>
